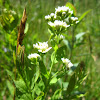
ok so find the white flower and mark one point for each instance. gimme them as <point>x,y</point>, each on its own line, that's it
<point>63,9</point>
<point>74,19</point>
<point>5,10</point>
<point>62,37</point>
<point>52,15</point>
<point>67,62</point>
<point>70,12</point>
<point>42,47</point>
<point>47,17</point>
<point>70,65</point>
<point>35,55</point>
<point>13,12</point>
<point>77,22</point>
<point>51,24</point>
<point>58,23</point>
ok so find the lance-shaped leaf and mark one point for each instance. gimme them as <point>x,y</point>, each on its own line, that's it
<point>71,84</point>
<point>83,15</point>
<point>43,69</point>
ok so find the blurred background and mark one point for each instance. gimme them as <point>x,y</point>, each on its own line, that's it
<point>37,30</point>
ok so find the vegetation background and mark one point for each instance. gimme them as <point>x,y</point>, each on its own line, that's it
<point>37,30</point>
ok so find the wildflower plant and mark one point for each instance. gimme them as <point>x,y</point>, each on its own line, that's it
<point>50,67</point>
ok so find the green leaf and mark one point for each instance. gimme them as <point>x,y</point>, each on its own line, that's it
<point>10,74</point>
<point>34,79</point>
<point>84,14</point>
<point>57,94</point>
<point>43,69</point>
<point>10,87</point>
<point>83,79</point>
<point>79,35</point>
<point>65,85</point>
<point>14,57</point>
<point>68,4</point>
<point>21,86</point>
<point>53,58</point>
<point>61,53</point>
<point>80,95</point>
<point>26,97</point>
<point>26,28</point>
<point>71,84</point>
<point>37,89</point>
<point>37,74</point>
<point>53,80</point>
<point>40,96</point>
<point>67,43</point>
<point>33,82</point>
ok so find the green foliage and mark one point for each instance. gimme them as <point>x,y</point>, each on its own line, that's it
<point>83,15</point>
<point>21,86</point>
<point>47,77</point>
<point>71,84</point>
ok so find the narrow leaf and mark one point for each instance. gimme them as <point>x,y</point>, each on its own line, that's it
<point>10,87</point>
<point>53,58</point>
<point>57,94</point>
<point>67,43</point>
<point>37,74</point>
<point>10,74</point>
<point>83,15</point>
<point>43,69</point>
<point>61,52</point>
<point>71,84</point>
<point>79,35</point>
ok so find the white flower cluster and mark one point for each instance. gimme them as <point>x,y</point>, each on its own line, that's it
<point>48,17</point>
<point>42,47</point>
<point>10,11</point>
<point>64,10</point>
<point>60,11</point>
<point>35,55</point>
<point>13,12</point>
<point>56,20</point>
<point>74,19</point>
<point>67,62</point>
<point>61,17</point>
<point>58,23</point>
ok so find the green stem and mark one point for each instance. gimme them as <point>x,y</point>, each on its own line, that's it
<point>51,68</point>
<point>73,37</point>
<point>48,81</point>
<point>90,44</point>
<point>56,73</point>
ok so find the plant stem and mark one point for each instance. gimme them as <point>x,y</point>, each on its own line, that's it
<point>73,39</point>
<point>90,44</point>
